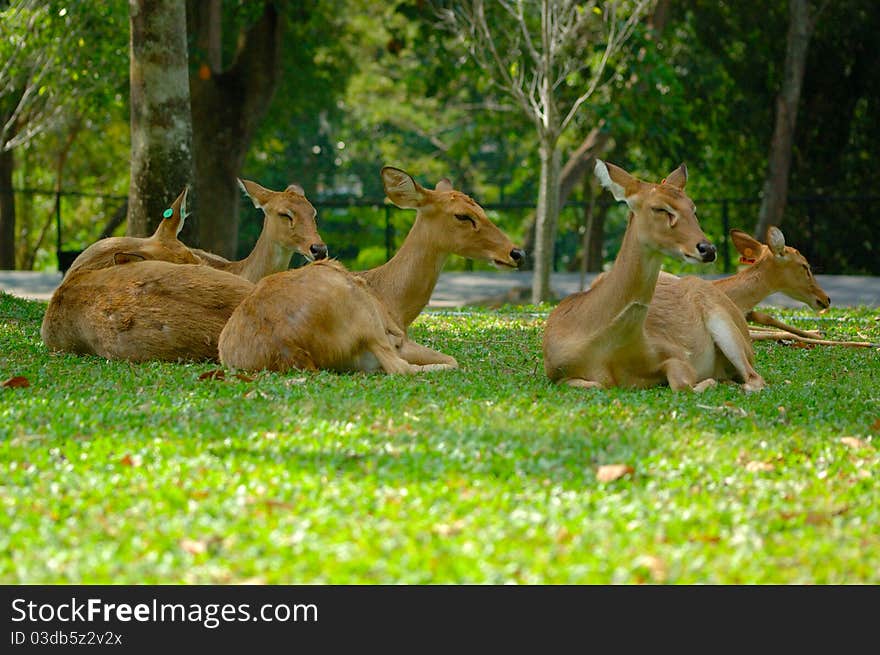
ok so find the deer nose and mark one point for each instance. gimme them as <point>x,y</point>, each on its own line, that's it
<point>824,303</point>
<point>518,255</point>
<point>707,251</point>
<point>318,250</point>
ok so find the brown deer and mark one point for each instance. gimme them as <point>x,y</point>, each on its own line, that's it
<point>603,338</point>
<point>447,222</point>
<point>288,227</point>
<point>149,310</point>
<point>774,267</point>
<point>327,317</point>
<point>319,316</point>
<point>162,245</point>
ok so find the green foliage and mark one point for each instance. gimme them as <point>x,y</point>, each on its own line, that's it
<point>142,473</point>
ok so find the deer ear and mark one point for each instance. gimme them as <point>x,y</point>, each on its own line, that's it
<point>776,241</point>
<point>120,258</point>
<point>748,247</point>
<point>443,185</point>
<point>173,218</point>
<point>259,195</point>
<point>621,184</point>
<point>296,188</point>
<point>678,178</point>
<point>401,189</point>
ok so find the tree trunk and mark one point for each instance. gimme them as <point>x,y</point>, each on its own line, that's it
<point>161,128</point>
<point>227,106</point>
<point>580,163</point>
<point>775,191</point>
<point>545,222</point>
<point>7,211</point>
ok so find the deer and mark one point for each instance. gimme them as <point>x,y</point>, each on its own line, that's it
<point>317,317</point>
<point>448,222</point>
<point>603,337</point>
<point>162,245</point>
<point>295,318</point>
<point>288,227</point>
<point>143,310</point>
<point>771,268</point>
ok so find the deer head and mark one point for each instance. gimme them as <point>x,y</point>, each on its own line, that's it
<point>663,216</point>
<point>458,225</point>
<point>784,268</point>
<point>289,218</point>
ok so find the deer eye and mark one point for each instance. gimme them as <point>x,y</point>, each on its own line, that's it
<point>466,217</point>
<point>665,213</point>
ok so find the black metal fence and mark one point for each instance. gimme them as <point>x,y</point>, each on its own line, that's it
<point>836,234</point>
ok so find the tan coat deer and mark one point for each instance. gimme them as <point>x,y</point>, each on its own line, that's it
<point>288,226</point>
<point>151,310</point>
<point>162,245</point>
<point>326,317</point>
<point>448,222</point>
<point>319,316</point>
<point>602,338</point>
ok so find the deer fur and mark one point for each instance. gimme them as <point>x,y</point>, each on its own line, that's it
<point>148,310</point>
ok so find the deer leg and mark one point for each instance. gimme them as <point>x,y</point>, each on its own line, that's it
<point>765,319</point>
<point>392,363</point>
<point>580,383</point>
<point>415,353</point>
<point>737,349</point>
<point>681,376</point>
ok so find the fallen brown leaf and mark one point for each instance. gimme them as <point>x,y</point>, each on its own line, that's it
<point>126,460</point>
<point>245,378</point>
<point>216,374</point>
<point>875,426</point>
<point>853,442</point>
<point>757,467</point>
<point>16,382</point>
<point>193,547</point>
<point>612,472</point>
<point>656,566</point>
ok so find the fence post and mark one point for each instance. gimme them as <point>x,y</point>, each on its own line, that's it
<point>58,228</point>
<point>725,238</point>
<point>389,234</point>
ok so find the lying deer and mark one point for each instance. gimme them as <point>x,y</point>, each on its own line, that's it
<point>288,227</point>
<point>774,267</point>
<point>603,338</point>
<point>319,316</point>
<point>326,317</point>
<point>448,222</point>
<point>143,311</point>
<point>162,245</point>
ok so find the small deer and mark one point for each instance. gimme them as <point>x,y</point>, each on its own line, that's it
<point>323,316</point>
<point>288,226</point>
<point>162,245</point>
<point>603,338</point>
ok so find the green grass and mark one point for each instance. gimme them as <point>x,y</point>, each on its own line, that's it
<point>113,472</point>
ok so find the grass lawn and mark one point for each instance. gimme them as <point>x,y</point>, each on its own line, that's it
<point>113,472</point>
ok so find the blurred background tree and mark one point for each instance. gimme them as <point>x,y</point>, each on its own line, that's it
<point>348,86</point>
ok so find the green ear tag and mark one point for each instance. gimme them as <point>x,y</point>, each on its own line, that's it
<point>168,213</point>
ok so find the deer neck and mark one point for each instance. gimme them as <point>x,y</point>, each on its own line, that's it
<point>632,277</point>
<point>267,257</point>
<point>746,288</point>
<point>406,281</point>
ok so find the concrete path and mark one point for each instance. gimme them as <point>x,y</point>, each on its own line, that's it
<point>458,289</point>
